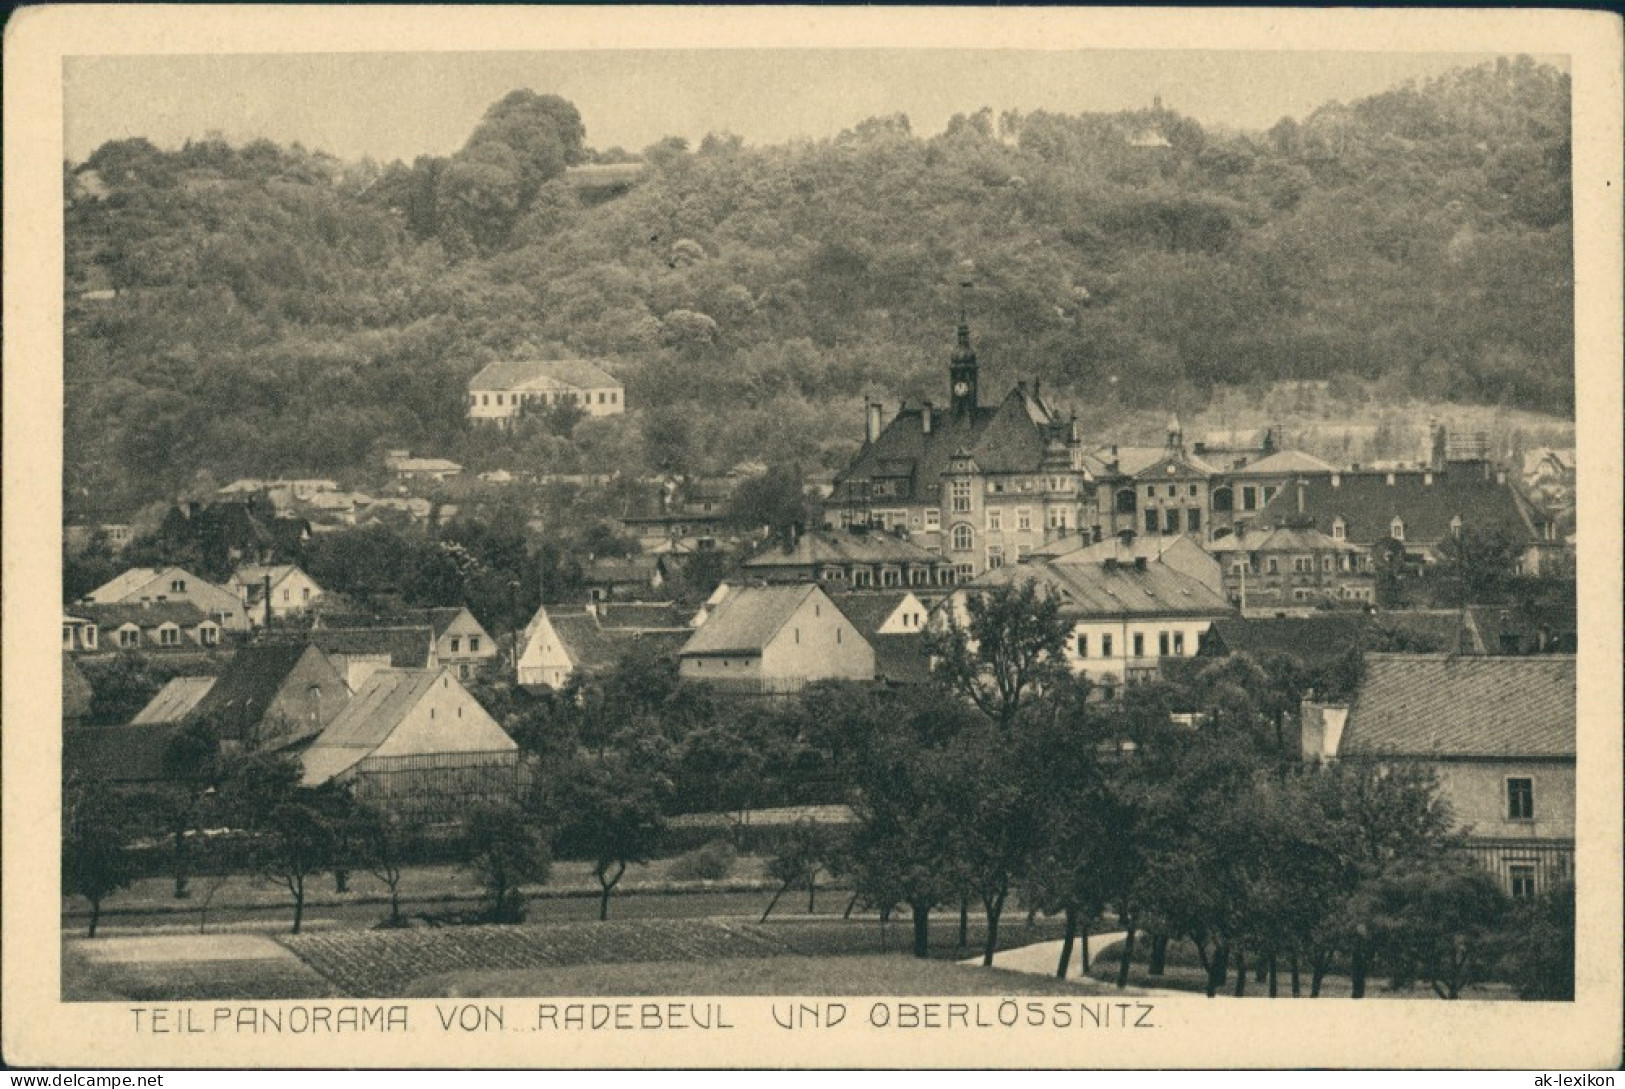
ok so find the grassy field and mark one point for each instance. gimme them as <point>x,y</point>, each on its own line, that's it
<point>1183,972</point>
<point>894,974</point>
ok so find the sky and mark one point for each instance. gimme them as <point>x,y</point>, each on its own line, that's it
<point>401,105</point>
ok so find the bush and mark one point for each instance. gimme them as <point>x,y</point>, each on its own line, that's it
<point>712,861</point>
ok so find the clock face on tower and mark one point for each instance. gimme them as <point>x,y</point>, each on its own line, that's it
<point>961,388</point>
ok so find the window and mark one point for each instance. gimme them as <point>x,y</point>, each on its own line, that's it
<point>1396,529</point>
<point>1273,566</point>
<point>1024,518</point>
<point>1058,518</point>
<point>995,557</point>
<point>601,398</point>
<point>1150,520</point>
<point>499,400</point>
<point>1125,501</point>
<point>1163,644</point>
<point>963,572</point>
<point>287,595</point>
<point>456,644</point>
<point>961,496</point>
<point>614,397</point>
<point>1139,644</point>
<point>890,576</point>
<point>933,518</point>
<point>473,644</point>
<point>169,636</point>
<point>1179,642</point>
<point>1520,799</point>
<point>1150,491</point>
<point>1303,565</point>
<point>1105,646</point>
<point>995,521</point>
<point>1340,530</point>
<point>1170,520</point>
<point>1022,552</point>
<point>128,637</point>
<point>1193,491</point>
<point>1267,492</point>
<point>1249,497</point>
<point>304,594</point>
<point>837,635</point>
<point>1455,526</point>
<point>208,635</point>
<point>485,398</point>
<point>1173,490</point>
<point>177,586</point>
<point>1083,646</point>
<point>1522,875</point>
<point>862,576</point>
<point>1222,498</point>
<point>1326,564</point>
<point>797,632</point>
<point>962,538</point>
<point>1193,519</point>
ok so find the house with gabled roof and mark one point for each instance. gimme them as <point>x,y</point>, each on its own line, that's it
<point>1292,570</point>
<point>284,589</point>
<point>461,641</point>
<point>357,653</point>
<point>765,640</point>
<point>272,696</point>
<point>856,558</point>
<point>561,643</point>
<point>172,585</point>
<point>894,624</point>
<point>1499,734</point>
<point>979,485</point>
<point>415,740</point>
<point>502,392</point>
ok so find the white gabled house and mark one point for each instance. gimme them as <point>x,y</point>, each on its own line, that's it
<point>291,591</point>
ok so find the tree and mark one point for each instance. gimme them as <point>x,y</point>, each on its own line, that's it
<point>386,840</point>
<point>1008,649</point>
<point>96,860</point>
<point>505,851</point>
<point>608,810</point>
<point>1480,563</point>
<point>804,853</point>
<point>1439,920</point>
<point>1540,952</point>
<point>294,843</point>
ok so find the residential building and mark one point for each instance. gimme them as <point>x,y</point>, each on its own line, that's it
<point>980,485</point>
<point>282,588</point>
<point>1293,570</point>
<point>461,643</point>
<point>560,643</point>
<point>176,700</point>
<point>1499,733</point>
<point>409,470</point>
<point>1244,492</point>
<point>358,653</point>
<point>146,626</point>
<point>855,558</point>
<point>1166,495</point>
<point>1126,618</point>
<point>502,392</point>
<point>1179,552</point>
<point>172,585</point>
<point>272,696</point>
<point>610,577</point>
<point>1319,643</point>
<point>894,624</point>
<point>775,639</point>
<point>415,740</point>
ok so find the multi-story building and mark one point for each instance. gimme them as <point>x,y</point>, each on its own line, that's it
<point>856,558</point>
<point>982,486</point>
<point>502,392</point>
<point>1293,570</point>
<point>1168,493</point>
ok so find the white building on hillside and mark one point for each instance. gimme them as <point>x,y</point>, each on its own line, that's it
<point>502,392</point>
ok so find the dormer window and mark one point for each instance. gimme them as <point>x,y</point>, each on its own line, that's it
<point>1396,529</point>
<point>1340,529</point>
<point>1455,527</point>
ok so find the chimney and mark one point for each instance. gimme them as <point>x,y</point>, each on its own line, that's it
<point>1302,486</point>
<point>1074,434</point>
<point>1139,563</point>
<point>1337,480</point>
<point>925,418</point>
<point>872,421</point>
<point>267,602</point>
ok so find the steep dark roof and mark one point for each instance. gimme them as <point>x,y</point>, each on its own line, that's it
<point>1368,504</point>
<point>1437,705</point>
<point>641,615</point>
<point>868,611</point>
<point>1312,640</point>
<point>240,698</point>
<point>174,701</point>
<point>118,754</point>
<point>901,658</point>
<point>1007,438</point>
<point>1103,590</point>
<point>593,647</point>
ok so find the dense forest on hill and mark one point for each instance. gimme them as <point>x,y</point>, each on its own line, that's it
<point>280,311</point>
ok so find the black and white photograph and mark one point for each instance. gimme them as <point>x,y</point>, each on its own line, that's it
<point>1090,531</point>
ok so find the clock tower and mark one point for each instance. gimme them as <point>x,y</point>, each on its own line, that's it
<point>962,372</point>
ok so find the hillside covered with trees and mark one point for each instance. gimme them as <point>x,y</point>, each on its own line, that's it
<point>263,310</point>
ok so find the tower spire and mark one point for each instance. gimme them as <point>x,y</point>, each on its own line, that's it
<point>962,364</point>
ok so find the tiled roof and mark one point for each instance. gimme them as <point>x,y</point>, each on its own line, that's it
<point>1311,639</point>
<point>1368,504</point>
<point>842,547</point>
<point>238,700</point>
<point>1008,438</point>
<point>174,700</point>
<point>1105,590</point>
<point>120,754</point>
<point>1284,461</point>
<point>123,585</point>
<point>593,646</point>
<point>641,615</point>
<point>1174,463</point>
<point>407,647</point>
<point>1130,459</point>
<point>1280,539</point>
<point>366,721</point>
<point>1437,705</point>
<point>542,374</point>
<point>112,617</point>
<point>748,619</point>
<point>639,569</point>
<point>868,611</point>
<point>901,658</point>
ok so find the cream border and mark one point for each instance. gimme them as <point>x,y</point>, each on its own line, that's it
<point>37,1029</point>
